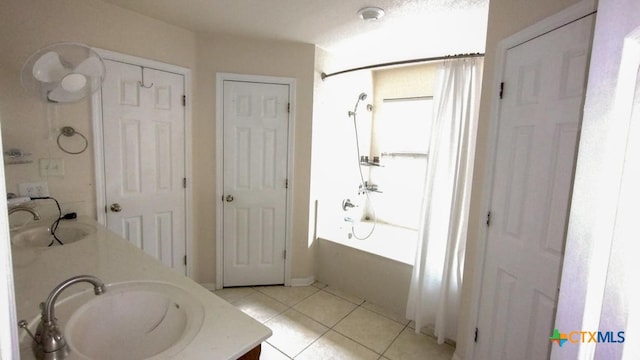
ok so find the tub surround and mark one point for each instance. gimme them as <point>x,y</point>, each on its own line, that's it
<point>226,332</point>
<point>377,279</point>
<point>382,261</point>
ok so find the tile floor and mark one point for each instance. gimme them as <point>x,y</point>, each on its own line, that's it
<point>318,322</point>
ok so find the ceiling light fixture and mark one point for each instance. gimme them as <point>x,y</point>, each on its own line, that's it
<point>370,13</point>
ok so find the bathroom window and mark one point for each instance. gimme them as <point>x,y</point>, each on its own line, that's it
<point>402,133</point>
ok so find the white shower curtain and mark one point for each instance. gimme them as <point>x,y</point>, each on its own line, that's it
<point>436,281</point>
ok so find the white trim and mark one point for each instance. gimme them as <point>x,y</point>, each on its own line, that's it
<point>220,78</point>
<point>548,24</point>
<point>209,286</point>
<point>570,14</point>
<point>9,340</point>
<point>597,289</point>
<point>98,156</point>
<point>96,116</point>
<point>307,281</point>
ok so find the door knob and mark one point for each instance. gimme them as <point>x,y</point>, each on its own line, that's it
<point>229,198</point>
<point>116,207</point>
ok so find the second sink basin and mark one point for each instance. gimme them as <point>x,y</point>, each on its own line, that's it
<point>40,235</point>
<point>135,320</point>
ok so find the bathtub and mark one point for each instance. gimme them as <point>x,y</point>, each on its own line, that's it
<point>377,269</point>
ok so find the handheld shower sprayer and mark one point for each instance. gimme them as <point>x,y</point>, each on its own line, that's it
<point>361,97</point>
<point>363,184</point>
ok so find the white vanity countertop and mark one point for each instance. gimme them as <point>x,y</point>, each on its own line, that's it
<point>226,332</point>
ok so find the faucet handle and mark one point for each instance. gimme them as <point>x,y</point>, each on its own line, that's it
<point>347,204</point>
<point>23,324</point>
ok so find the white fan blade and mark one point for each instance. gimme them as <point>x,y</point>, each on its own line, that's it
<point>61,95</point>
<point>90,67</point>
<point>74,82</point>
<point>48,68</point>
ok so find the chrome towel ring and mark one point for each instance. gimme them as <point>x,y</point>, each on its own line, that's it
<point>68,131</point>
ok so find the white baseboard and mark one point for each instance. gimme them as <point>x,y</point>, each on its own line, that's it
<point>209,286</point>
<point>308,281</point>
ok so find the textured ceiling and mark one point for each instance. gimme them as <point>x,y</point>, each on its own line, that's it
<point>409,29</point>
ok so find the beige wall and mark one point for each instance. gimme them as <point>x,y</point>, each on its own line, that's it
<point>26,26</point>
<point>506,17</point>
<point>230,54</point>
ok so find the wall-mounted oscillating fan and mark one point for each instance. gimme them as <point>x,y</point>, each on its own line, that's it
<point>63,72</point>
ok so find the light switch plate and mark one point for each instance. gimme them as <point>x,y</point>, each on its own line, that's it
<point>34,189</point>
<point>51,167</point>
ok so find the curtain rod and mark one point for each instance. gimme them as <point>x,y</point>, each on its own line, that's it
<point>403,62</point>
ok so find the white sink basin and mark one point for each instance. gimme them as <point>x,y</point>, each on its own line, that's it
<point>40,235</point>
<point>133,320</point>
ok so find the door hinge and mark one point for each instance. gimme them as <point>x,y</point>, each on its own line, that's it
<point>488,218</point>
<point>184,100</point>
<point>475,337</point>
<point>185,260</point>
<point>286,183</point>
<point>288,107</point>
<point>501,89</point>
<point>184,183</point>
<point>284,254</point>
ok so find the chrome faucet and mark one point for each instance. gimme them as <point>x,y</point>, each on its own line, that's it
<point>49,340</point>
<point>33,212</point>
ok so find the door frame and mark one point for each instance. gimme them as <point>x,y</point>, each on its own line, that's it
<point>553,22</point>
<point>9,338</point>
<point>291,82</point>
<point>96,119</point>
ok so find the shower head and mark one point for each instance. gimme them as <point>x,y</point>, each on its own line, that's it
<point>361,97</point>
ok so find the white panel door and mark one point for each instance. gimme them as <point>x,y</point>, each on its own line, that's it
<point>538,128</point>
<point>255,122</point>
<point>143,127</point>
